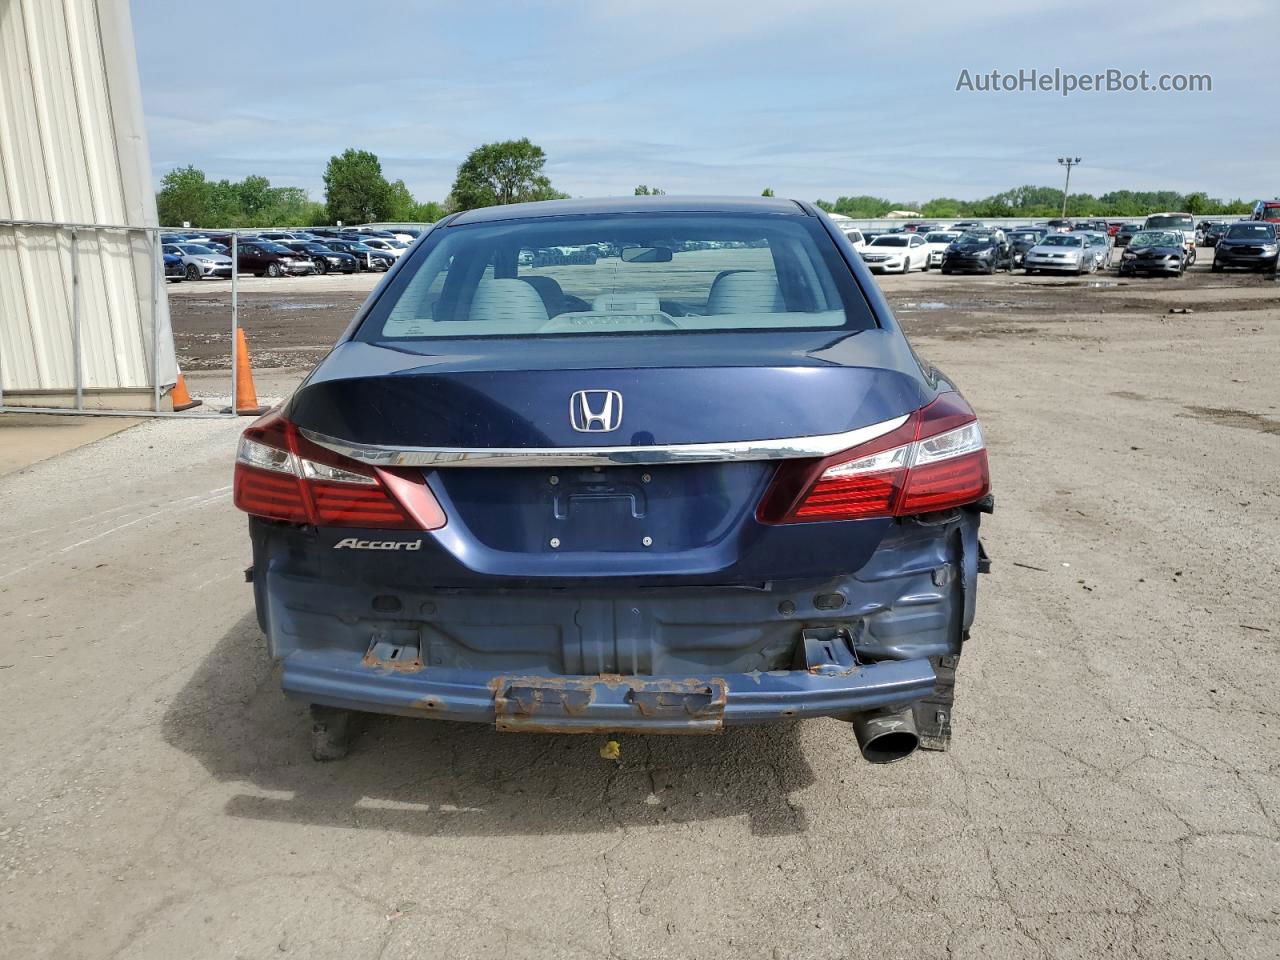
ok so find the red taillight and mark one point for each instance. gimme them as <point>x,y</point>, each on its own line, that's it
<point>934,461</point>
<point>281,475</point>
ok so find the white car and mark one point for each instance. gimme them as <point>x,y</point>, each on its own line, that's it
<point>937,241</point>
<point>896,253</point>
<point>393,247</point>
<point>199,262</point>
<point>855,237</point>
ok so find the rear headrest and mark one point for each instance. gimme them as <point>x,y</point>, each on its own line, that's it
<point>745,291</point>
<point>510,302</point>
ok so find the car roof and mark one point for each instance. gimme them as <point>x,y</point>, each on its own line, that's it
<point>608,205</point>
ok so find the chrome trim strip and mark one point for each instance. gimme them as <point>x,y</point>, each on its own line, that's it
<point>789,448</point>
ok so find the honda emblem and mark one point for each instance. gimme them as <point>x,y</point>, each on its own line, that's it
<point>595,411</point>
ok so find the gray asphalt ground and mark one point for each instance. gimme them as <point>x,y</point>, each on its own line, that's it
<point>1113,790</point>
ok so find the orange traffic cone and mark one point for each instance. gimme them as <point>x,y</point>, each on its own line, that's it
<point>246,396</point>
<point>181,399</point>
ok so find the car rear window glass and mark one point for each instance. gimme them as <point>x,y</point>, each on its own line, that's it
<point>620,274</point>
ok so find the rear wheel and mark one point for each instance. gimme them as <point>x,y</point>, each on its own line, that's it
<point>273,270</point>
<point>321,266</point>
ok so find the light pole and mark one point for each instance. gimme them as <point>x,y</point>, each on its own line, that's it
<point>1067,162</point>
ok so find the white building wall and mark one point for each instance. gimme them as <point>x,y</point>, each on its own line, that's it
<point>73,150</point>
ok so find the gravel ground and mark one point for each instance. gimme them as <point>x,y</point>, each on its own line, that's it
<point>1114,787</point>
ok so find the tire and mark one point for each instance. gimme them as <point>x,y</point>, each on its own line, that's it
<point>321,267</point>
<point>1191,259</point>
<point>991,269</point>
<point>946,270</point>
<point>192,272</point>
<point>273,269</point>
<point>1216,267</point>
<point>1028,271</point>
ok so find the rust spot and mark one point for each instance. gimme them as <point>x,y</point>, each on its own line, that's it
<point>428,705</point>
<point>398,666</point>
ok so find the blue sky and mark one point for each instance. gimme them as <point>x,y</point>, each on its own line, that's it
<point>814,99</point>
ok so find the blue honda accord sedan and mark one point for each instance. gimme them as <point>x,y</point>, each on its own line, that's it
<point>651,464</point>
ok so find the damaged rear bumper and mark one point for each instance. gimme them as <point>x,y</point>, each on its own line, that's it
<point>608,703</point>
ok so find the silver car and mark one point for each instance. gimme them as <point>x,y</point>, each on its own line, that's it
<point>1062,252</point>
<point>199,261</point>
<point>1100,244</point>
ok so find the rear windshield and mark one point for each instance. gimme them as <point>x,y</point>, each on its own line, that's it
<point>1173,222</point>
<point>608,274</point>
<point>1060,240</point>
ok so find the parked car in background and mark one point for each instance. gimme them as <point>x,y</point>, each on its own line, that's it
<point>896,253</point>
<point>937,243</point>
<point>1061,226</point>
<point>1213,231</point>
<point>1155,251</point>
<point>855,236</point>
<point>786,553</point>
<point>1022,239</point>
<point>1126,233</point>
<point>1061,253</point>
<point>1096,224</point>
<point>324,259</point>
<point>391,245</point>
<point>964,225</point>
<point>268,259</point>
<point>983,250</point>
<point>1182,222</point>
<point>280,236</point>
<point>175,271</point>
<point>1250,245</point>
<point>1113,227</point>
<point>1100,247</point>
<point>199,261</point>
<point>367,257</point>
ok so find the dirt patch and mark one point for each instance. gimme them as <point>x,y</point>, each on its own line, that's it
<point>1241,419</point>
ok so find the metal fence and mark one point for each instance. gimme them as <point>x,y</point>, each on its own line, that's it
<point>50,318</point>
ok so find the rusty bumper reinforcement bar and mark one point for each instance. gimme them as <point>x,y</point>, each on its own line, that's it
<point>338,678</point>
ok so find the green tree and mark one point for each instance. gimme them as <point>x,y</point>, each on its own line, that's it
<point>510,171</point>
<point>767,192</point>
<point>646,191</point>
<point>355,191</point>
<point>428,212</point>
<point>254,193</point>
<point>185,195</point>
<point>400,201</point>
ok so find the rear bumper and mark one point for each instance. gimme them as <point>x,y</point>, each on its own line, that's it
<point>586,704</point>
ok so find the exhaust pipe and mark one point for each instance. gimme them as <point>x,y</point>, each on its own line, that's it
<point>885,736</point>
